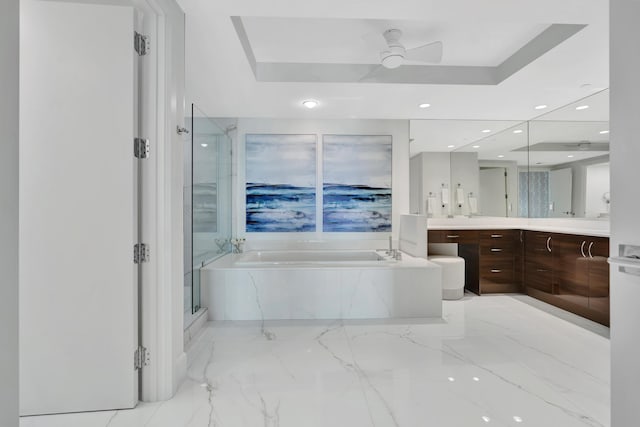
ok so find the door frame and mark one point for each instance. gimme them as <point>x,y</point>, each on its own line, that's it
<point>163,107</point>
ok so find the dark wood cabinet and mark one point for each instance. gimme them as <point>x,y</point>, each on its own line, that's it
<point>598,252</point>
<point>569,271</point>
<point>497,261</point>
<point>538,262</point>
<point>489,258</point>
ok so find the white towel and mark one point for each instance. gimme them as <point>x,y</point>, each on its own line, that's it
<point>473,205</point>
<point>445,196</point>
<point>460,196</point>
<point>431,204</point>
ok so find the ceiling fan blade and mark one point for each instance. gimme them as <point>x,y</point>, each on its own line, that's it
<point>371,75</point>
<point>431,52</point>
<point>376,40</point>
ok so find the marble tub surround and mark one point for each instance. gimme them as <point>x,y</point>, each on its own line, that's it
<point>589,227</point>
<point>492,358</point>
<point>235,290</point>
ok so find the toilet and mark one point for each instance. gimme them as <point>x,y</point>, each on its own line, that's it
<point>452,275</point>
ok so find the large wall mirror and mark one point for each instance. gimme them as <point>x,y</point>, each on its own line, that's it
<point>569,161</point>
<point>556,166</point>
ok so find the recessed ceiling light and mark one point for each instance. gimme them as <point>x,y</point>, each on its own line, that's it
<point>602,132</point>
<point>204,145</point>
<point>540,107</point>
<point>517,131</point>
<point>310,103</point>
<point>425,105</point>
<point>486,131</point>
<point>582,107</point>
<point>486,419</point>
<point>476,146</point>
<point>500,156</point>
<point>450,146</point>
<point>517,419</point>
<point>570,155</point>
<point>451,379</point>
<point>476,379</point>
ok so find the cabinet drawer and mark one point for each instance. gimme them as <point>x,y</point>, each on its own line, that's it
<point>498,235</point>
<point>453,236</point>
<point>496,249</point>
<point>500,259</point>
<point>504,277</point>
<point>501,267</point>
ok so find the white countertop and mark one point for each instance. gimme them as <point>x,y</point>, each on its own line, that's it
<point>596,228</point>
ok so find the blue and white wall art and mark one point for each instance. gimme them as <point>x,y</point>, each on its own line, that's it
<point>357,183</point>
<point>280,183</point>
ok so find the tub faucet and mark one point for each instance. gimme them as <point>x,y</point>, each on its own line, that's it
<point>237,245</point>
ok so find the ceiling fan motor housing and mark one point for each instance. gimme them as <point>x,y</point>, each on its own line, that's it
<point>392,57</point>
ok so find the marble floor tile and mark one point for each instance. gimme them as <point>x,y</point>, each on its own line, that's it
<point>490,361</point>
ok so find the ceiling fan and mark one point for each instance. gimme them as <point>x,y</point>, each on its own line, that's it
<point>393,53</point>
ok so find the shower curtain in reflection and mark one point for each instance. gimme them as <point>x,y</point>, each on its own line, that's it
<point>533,194</point>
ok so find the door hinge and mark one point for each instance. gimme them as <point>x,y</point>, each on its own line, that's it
<point>140,253</point>
<point>141,148</point>
<point>141,43</point>
<point>141,358</point>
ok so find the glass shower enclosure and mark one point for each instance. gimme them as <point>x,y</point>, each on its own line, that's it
<point>207,203</point>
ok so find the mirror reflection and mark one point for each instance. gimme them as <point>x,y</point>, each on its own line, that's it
<point>556,166</point>
<point>466,167</point>
<point>569,161</point>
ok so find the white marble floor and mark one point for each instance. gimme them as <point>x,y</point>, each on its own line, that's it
<point>491,361</point>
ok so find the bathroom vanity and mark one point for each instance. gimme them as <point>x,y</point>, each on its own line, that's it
<point>565,269</point>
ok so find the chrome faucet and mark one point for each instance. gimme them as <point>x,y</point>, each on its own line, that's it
<point>238,245</point>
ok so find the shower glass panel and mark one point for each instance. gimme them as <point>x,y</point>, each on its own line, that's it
<point>207,200</point>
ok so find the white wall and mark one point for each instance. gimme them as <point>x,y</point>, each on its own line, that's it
<point>512,182</point>
<point>399,129</point>
<point>465,172</point>
<point>432,170</point>
<point>598,183</point>
<point>625,205</point>
<point>9,19</point>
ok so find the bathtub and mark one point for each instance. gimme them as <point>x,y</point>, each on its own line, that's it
<point>320,284</point>
<point>264,258</point>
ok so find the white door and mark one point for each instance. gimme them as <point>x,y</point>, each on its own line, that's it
<point>78,220</point>
<point>493,192</point>
<point>560,193</point>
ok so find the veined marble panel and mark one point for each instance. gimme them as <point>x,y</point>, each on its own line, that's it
<point>331,292</point>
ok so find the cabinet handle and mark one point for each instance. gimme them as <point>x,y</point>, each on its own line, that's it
<point>584,242</point>
<point>589,250</point>
<point>495,270</point>
<point>539,270</point>
<point>496,236</point>
<point>452,236</point>
<point>496,250</point>
<point>549,243</point>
